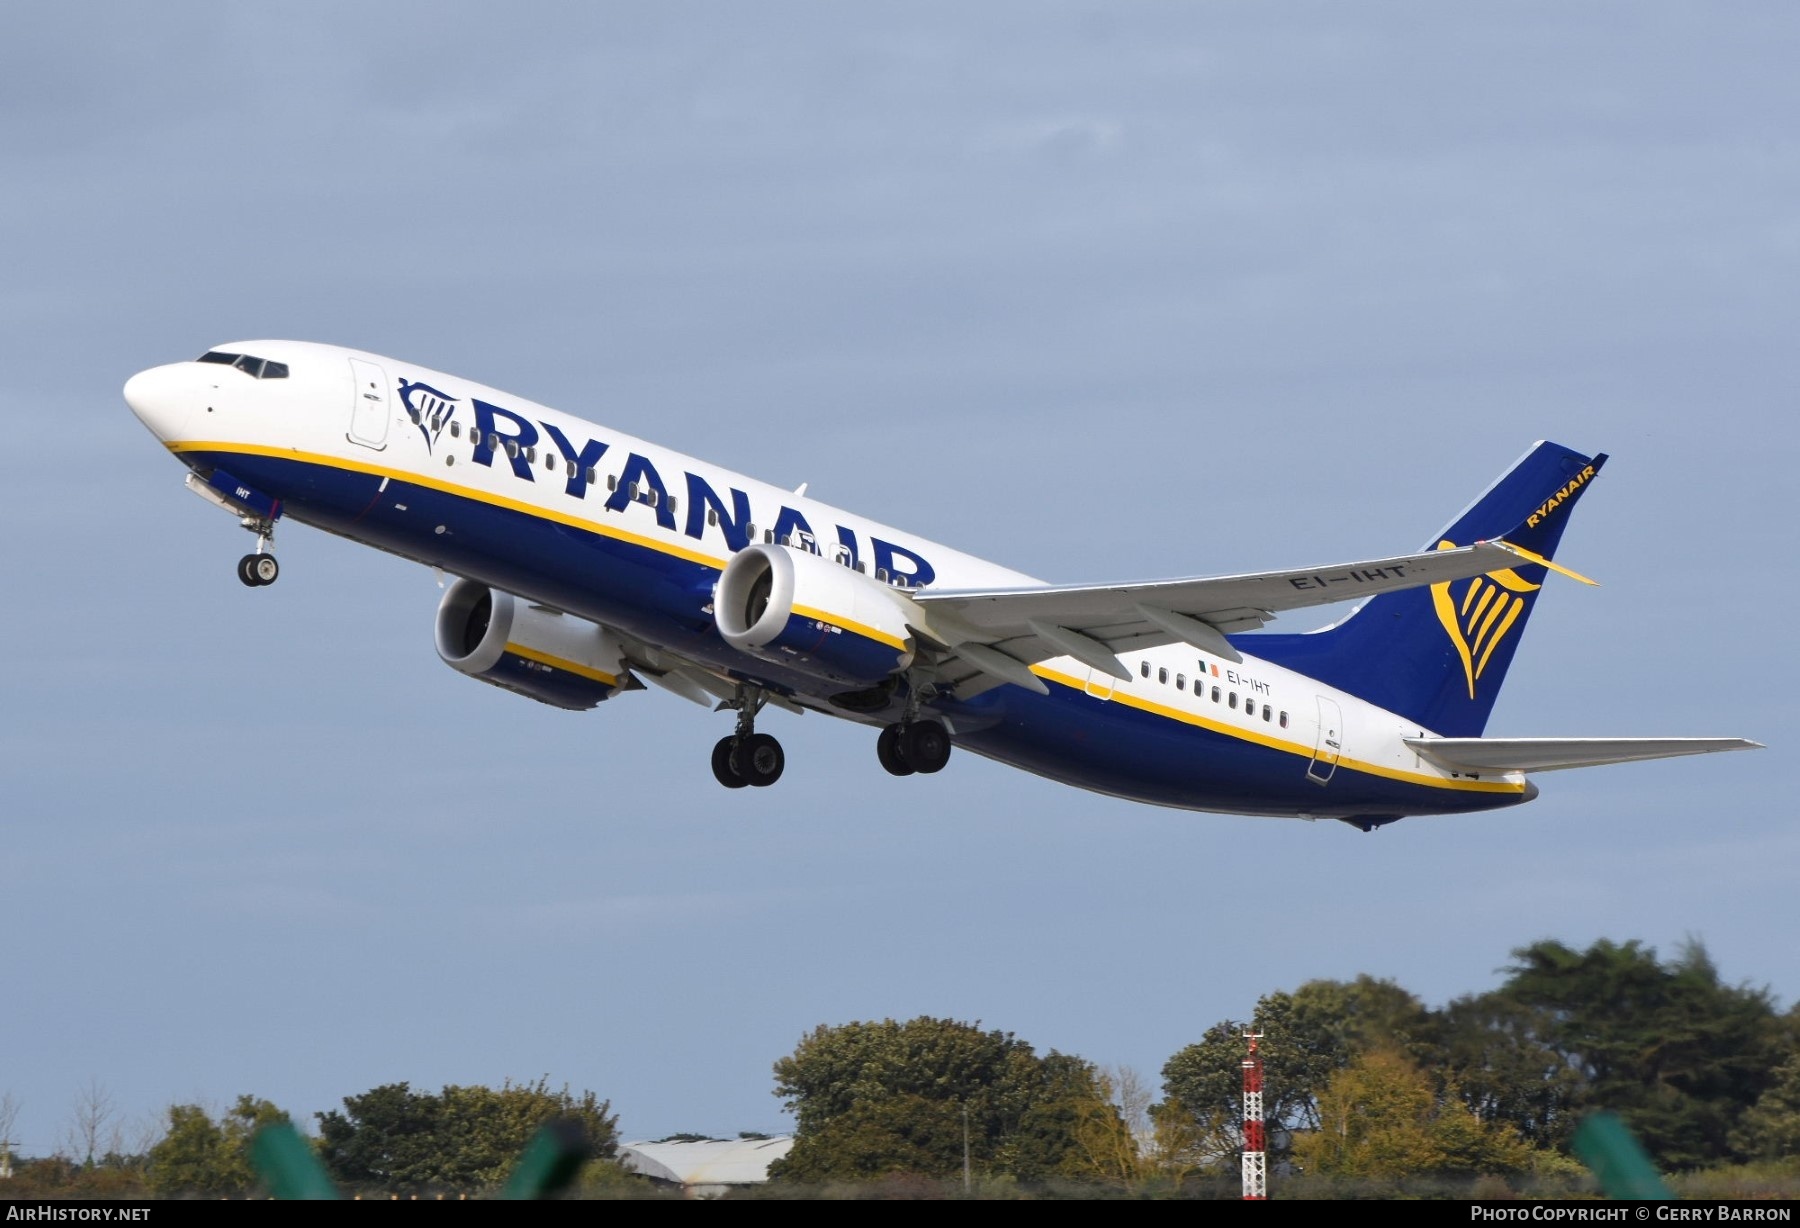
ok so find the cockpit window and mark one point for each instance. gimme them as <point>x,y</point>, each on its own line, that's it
<point>249,364</point>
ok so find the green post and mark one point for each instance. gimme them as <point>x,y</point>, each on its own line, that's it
<point>288,1164</point>
<point>552,1158</point>
<point>1607,1146</point>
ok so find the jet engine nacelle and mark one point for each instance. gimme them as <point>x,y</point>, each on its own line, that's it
<point>504,641</point>
<point>794,608</point>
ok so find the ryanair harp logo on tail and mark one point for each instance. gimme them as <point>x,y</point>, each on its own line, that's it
<point>1481,616</point>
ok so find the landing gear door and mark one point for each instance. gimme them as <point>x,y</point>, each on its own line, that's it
<point>369,411</point>
<point>1330,746</point>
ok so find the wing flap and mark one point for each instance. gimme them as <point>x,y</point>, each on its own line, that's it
<point>1478,755</point>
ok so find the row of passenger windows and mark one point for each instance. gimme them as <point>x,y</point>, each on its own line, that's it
<point>648,496</point>
<point>249,364</point>
<point>1230,698</point>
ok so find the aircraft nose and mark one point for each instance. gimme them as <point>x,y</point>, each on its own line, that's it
<point>157,397</point>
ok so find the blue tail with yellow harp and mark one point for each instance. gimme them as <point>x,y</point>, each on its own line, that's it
<point>1438,655</point>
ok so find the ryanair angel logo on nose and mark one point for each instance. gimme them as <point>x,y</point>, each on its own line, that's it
<point>1478,619</point>
<point>429,409</point>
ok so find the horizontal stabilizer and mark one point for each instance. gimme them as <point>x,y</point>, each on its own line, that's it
<point>1478,755</point>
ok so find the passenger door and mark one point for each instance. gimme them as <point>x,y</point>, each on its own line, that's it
<point>369,412</point>
<point>1330,747</point>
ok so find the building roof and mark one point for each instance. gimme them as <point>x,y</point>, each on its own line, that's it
<point>737,1161</point>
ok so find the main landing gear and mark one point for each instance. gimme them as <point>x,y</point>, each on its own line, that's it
<point>748,757</point>
<point>914,746</point>
<point>259,569</point>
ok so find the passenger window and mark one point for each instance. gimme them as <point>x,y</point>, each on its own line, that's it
<point>674,502</point>
<point>512,448</point>
<point>712,516</point>
<point>1284,720</point>
<point>571,471</point>
<point>612,481</point>
<point>592,476</point>
<point>631,491</point>
<point>437,424</point>
<point>530,456</point>
<point>650,497</point>
<point>1144,669</point>
<point>1162,676</point>
<point>456,430</point>
<point>1215,696</point>
<point>1267,712</point>
<point>881,573</point>
<point>414,415</point>
<point>1181,682</point>
<point>1232,701</point>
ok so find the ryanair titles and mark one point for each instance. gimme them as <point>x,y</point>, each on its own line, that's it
<point>1554,501</point>
<point>515,439</point>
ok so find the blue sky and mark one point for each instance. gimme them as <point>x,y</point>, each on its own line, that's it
<point>1100,292</point>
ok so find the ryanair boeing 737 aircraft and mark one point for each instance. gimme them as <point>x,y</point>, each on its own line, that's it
<point>589,563</point>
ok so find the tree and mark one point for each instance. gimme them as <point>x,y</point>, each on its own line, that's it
<point>1506,1070</point>
<point>1770,1129</point>
<point>200,1156</point>
<point>463,1138</point>
<point>1122,1138</point>
<point>877,1098</point>
<point>1381,1118</point>
<point>1364,1015</point>
<point>1676,1052</point>
<point>90,1131</point>
<point>1301,1046</point>
<point>9,1116</point>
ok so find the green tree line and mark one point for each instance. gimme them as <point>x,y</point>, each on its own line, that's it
<point>1362,1083</point>
<point>388,1140</point>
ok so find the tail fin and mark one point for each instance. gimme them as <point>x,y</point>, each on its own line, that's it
<point>1438,655</point>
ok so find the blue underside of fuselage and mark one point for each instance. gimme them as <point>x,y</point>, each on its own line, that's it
<point>663,599</point>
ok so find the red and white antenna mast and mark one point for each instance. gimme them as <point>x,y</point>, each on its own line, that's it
<point>1256,1154</point>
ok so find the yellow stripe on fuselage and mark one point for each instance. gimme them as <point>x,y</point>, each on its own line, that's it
<point>1282,744</point>
<point>453,488</point>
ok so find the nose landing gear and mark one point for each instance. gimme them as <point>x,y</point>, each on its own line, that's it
<point>259,568</point>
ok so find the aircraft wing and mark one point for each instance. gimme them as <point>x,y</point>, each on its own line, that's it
<point>1001,632</point>
<point>1477,755</point>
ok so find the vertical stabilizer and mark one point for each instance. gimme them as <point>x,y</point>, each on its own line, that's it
<point>1438,655</point>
